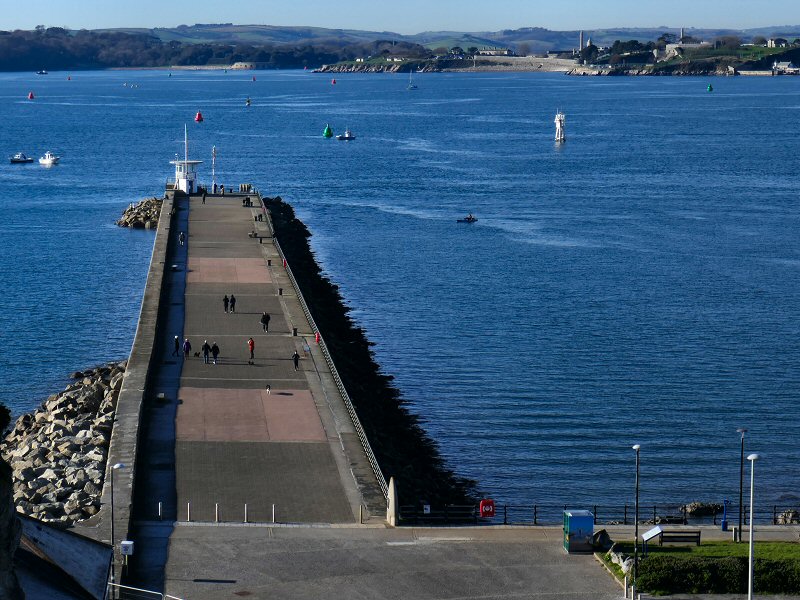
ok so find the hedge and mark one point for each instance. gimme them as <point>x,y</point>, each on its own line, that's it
<point>675,575</point>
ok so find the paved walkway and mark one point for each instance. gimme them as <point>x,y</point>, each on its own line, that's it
<point>256,433</point>
<point>213,562</point>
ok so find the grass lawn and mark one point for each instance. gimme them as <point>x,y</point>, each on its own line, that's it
<point>766,550</point>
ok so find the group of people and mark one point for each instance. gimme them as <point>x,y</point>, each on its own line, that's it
<point>212,350</point>
<point>186,347</point>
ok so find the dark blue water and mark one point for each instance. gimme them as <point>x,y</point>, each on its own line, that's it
<point>637,285</point>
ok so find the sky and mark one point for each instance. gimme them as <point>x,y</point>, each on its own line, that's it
<point>401,16</point>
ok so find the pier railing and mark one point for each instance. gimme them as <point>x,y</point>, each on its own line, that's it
<point>362,436</point>
<point>551,514</point>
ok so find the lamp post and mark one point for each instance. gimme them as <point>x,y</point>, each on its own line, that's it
<point>741,430</point>
<point>752,458</point>
<point>113,548</point>
<point>636,448</point>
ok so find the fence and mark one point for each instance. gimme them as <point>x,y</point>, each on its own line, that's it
<point>552,514</point>
<point>329,360</point>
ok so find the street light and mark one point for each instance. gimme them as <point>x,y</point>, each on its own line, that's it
<point>636,447</point>
<point>113,550</point>
<point>752,458</point>
<point>741,430</point>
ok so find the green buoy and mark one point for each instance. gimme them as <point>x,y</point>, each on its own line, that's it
<point>327,132</point>
<point>710,88</point>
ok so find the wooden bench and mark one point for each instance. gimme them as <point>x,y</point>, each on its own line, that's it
<point>679,536</point>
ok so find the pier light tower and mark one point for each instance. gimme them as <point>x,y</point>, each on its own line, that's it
<point>561,135</point>
<point>185,170</point>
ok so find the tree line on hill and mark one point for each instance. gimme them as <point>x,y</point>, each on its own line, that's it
<point>55,48</point>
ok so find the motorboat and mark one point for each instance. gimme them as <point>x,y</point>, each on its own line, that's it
<point>346,136</point>
<point>49,159</point>
<point>42,72</point>
<point>468,219</point>
<point>20,158</point>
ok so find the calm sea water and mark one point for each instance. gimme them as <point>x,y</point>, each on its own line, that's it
<point>637,285</point>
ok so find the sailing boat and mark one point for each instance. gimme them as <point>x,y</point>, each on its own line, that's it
<point>411,85</point>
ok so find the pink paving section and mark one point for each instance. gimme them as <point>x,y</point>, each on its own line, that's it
<point>230,415</point>
<point>227,270</point>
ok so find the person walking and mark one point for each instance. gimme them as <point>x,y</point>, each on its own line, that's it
<point>215,351</point>
<point>233,303</point>
<point>181,237</point>
<point>296,360</point>
<point>225,302</point>
<point>204,196</point>
<point>187,348</point>
<point>206,349</point>
<point>251,345</point>
<point>265,322</point>
<point>177,349</point>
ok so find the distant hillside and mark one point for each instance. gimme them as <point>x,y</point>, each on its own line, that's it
<point>537,39</point>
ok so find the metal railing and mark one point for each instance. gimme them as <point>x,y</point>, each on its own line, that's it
<point>362,436</point>
<point>118,591</point>
<point>552,514</point>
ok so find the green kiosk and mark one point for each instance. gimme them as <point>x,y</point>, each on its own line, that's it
<point>578,530</point>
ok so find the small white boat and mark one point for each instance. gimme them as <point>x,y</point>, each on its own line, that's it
<point>20,158</point>
<point>49,159</point>
<point>346,136</point>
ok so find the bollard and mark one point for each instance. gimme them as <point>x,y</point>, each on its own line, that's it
<point>280,291</point>
<point>260,240</point>
<point>245,513</point>
<point>273,513</point>
<point>269,262</point>
<point>316,337</point>
<point>626,587</point>
<point>216,513</point>
<point>294,331</point>
<point>285,264</point>
<point>160,513</point>
<point>361,514</point>
<point>188,512</point>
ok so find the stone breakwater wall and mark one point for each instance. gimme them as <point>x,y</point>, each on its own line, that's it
<point>58,452</point>
<point>142,215</point>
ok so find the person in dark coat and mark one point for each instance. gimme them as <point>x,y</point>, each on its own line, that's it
<point>215,351</point>
<point>182,237</point>
<point>187,348</point>
<point>225,302</point>
<point>177,349</point>
<point>206,349</point>
<point>265,322</point>
<point>296,360</point>
<point>233,303</point>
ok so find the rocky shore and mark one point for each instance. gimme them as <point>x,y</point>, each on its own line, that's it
<point>58,452</point>
<point>142,215</point>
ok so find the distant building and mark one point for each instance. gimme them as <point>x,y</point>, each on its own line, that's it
<point>495,52</point>
<point>777,43</point>
<point>785,67</point>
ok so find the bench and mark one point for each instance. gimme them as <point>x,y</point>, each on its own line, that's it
<point>679,536</point>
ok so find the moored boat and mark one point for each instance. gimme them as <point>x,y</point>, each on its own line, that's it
<point>468,219</point>
<point>20,158</point>
<point>346,136</point>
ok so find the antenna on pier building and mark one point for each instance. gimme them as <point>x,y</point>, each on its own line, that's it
<point>561,135</point>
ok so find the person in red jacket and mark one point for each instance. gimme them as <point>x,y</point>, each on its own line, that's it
<point>251,345</point>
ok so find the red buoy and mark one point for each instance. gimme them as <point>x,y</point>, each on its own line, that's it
<point>30,96</point>
<point>333,82</point>
<point>69,77</point>
<point>198,117</point>
<point>254,77</point>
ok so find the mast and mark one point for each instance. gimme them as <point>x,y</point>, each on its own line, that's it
<point>185,143</point>
<point>214,166</point>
